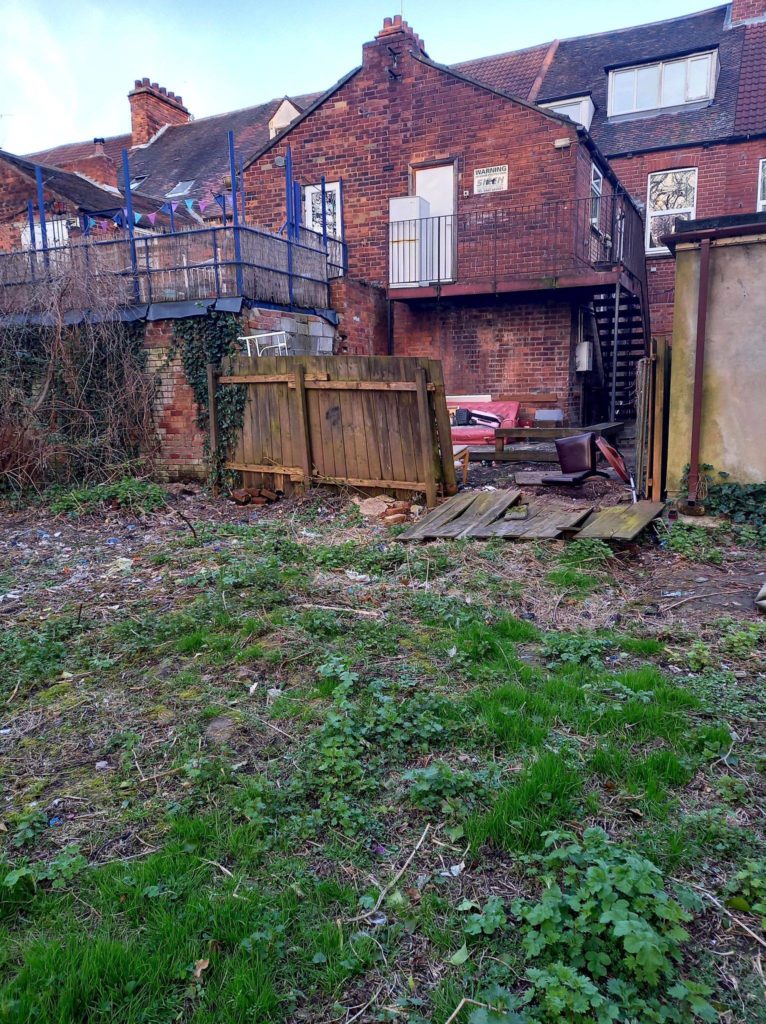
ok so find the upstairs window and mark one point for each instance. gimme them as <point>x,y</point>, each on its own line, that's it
<point>137,182</point>
<point>761,203</point>
<point>596,191</point>
<point>671,195</point>
<point>181,189</point>
<point>669,83</point>
<point>580,109</point>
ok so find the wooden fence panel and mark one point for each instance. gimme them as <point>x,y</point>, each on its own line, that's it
<point>373,423</point>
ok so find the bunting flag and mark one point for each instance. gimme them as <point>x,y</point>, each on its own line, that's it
<point>174,207</point>
<point>137,217</point>
<point>221,200</point>
<point>189,203</point>
<point>165,208</point>
<point>203,205</point>
<point>151,217</point>
<point>118,219</point>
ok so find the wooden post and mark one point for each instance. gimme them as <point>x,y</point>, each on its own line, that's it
<point>443,427</point>
<point>302,437</point>
<point>659,416</point>
<point>212,416</point>
<point>426,437</point>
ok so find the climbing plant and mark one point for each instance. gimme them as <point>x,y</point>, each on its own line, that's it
<point>200,341</point>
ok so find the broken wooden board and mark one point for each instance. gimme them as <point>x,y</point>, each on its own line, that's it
<point>621,522</point>
<point>488,506</point>
<point>481,515</point>
<point>542,523</point>
<point>440,516</point>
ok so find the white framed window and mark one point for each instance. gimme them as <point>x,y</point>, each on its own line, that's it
<point>670,83</point>
<point>137,182</point>
<point>313,208</point>
<point>670,195</point>
<point>580,109</point>
<point>596,191</point>
<point>761,201</point>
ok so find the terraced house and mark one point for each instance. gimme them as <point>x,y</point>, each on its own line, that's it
<point>505,214</point>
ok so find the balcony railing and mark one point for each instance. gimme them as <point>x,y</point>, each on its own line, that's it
<point>547,241</point>
<point>204,264</point>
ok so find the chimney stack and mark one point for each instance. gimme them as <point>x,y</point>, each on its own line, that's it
<point>151,108</point>
<point>747,10</point>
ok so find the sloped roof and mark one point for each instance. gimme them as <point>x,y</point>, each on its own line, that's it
<point>86,195</point>
<point>57,155</point>
<point>198,151</point>
<point>579,67</point>
<point>751,102</point>
<point>514,72</point>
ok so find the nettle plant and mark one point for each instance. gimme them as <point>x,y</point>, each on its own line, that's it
<point>604,941</point>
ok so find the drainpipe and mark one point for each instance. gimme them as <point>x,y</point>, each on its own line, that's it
<point>390,328</point>
<point>699,366</point>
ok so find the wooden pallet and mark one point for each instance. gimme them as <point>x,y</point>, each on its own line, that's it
<point>482,515</point>
<point>621,522</point>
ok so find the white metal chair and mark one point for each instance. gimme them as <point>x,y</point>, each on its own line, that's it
<point>272,342</point>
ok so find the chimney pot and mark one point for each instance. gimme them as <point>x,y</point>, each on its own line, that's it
<point>387,23</point>
<point>397,19</point>
<point>144,81</point>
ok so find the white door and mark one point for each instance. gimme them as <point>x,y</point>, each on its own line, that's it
<point>437,186</point>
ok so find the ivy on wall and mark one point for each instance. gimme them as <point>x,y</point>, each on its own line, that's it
<point>203,340</point>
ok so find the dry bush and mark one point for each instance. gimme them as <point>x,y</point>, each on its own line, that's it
<point>75,397</point>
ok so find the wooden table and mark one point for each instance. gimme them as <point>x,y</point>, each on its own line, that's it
<point>462,453</point>
<point>503,434</point>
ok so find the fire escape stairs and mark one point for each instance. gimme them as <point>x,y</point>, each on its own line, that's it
<point>632,343</point>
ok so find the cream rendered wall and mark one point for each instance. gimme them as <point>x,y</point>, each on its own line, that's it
<point>733,437</point>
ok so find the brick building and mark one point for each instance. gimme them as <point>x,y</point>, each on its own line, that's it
<point>515,182</point>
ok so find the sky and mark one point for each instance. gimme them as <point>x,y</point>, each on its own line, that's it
<point>66,66</point>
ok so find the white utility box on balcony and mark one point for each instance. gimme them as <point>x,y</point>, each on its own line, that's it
<point>406,215</point>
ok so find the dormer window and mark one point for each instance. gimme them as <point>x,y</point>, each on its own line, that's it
<point>671,83</point>
<point>579,109</point>
<point>182,188</point>
<point>137,182</point>
<point>285,114</point>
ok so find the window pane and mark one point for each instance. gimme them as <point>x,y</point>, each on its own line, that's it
<point>672,190</point>
<point>698,85</point>
<point>663,224</point>
<point>648,87</point>
<point>762,187</point>
<point>674,83</point>
<point>623,84</point>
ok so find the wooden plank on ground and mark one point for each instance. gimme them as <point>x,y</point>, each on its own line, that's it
<point>482,453</point>
<point>441,515</point>
<point>543,522</point>
<point>487,507</point>
<point>498,502</point>
<point>530,477</point>
<point>621,522</point>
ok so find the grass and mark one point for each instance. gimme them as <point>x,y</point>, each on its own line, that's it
<point>216,773</point>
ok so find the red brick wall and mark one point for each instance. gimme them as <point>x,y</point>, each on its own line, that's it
<point>499,346</point>
<point>182,445</point>
<point>363,317</point>
<point>727,183</point>
<point>375,128</point>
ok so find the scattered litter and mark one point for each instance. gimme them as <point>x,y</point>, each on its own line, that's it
<point>454,870</point>
<point>102,766</point>
<point>274,693</point>
<point>357,577</point>
<point>253,687</point>
<point>760,599</point>
<point>377,919</point>
<point>120,567</point>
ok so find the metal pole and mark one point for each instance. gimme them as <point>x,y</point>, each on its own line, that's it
<point>242,186</point>
<point>235,216</point>
<point>297,207</point>
<point>131,222</point>
<point>32,239</point>
<point>615,336</point>
<point>172,217</point>
<point>289,189</point>
<point>41,208</point>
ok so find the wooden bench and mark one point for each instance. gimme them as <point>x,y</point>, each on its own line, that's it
<point>503,434</point>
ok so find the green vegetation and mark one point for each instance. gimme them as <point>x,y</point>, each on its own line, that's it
<point>300,770</point>
<point>128,494</point>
